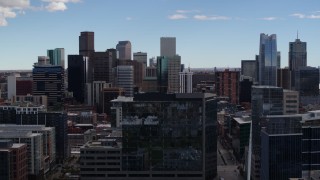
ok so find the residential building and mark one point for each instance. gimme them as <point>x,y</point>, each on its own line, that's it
<point>227,84</point>
<point>13,160</point>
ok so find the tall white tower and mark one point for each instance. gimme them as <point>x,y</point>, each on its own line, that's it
<point>186,81</point>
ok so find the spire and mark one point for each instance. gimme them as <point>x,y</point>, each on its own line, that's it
<point>297,34</point>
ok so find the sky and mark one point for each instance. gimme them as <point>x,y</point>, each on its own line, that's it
<point>209,33</point>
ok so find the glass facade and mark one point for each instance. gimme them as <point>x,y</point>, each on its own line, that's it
<point>265,100</point>
<point>162,73</point>
<point>307,81</point>
<point>177,135</point>
<point>268,60</point>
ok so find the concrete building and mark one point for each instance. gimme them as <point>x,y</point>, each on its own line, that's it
<point>34,100</point>
<point>124,50</point>
<point>290,102</point>
<point>12,91</point>
<point>227,84</point>
<point>248,68</point>
<point>168,46</point>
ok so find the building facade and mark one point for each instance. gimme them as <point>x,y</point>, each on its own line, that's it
<point>268,58</point>
<point>124,50</point>
<point>168,46</point>
<point>227,84</point>
<point>49,80</point>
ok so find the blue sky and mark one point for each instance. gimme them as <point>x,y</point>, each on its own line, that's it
<point>209,33</point>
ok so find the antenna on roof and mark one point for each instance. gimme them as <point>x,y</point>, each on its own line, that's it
<point>297,34</point>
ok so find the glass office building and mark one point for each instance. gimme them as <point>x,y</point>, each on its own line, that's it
<point>268,60</point>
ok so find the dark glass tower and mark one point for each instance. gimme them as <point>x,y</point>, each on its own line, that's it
<point>86,43</point>
<point>281,155</point>
<point>77,76</point>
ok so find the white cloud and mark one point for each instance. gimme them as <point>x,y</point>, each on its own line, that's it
<point>298,15</point>
<point>129,18</point>
<point>269,18</point>
<point>12,8</point>
<point>15,3</point>
<point>177,16</point>
<point>212,18</point>
<point>304,16</point>
<point>314,16</point>
<point>180,11</point>
<point>5,13</point>
<point>58,5</point>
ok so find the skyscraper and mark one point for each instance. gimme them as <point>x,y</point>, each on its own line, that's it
<point>77,76</point>
<point>86,48</point>
<point>248,68</point>
<point>268,60</point>
<point>297,54</point>
<point>124,50</point>
<point>265,100</point>
<point>86,43</point>
<point>168,46</point>
<point>49,80</point>
<point>56,56</point>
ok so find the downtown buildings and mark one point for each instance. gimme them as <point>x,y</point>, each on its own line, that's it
<point>163,136</point>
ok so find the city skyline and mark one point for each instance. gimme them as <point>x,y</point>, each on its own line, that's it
<point>208,34</point>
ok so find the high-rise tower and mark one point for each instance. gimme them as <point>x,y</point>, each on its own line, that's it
<point>86,43</point>
<point>167,46</point>
<point>297,54</point>
<point>268,60</point>
<point>124,50</point>
<point>56,56</point>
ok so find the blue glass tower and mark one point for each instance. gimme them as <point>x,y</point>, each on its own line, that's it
<point>268,57</point>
